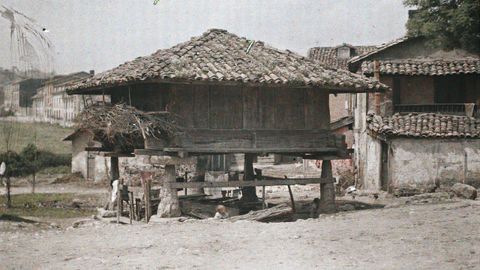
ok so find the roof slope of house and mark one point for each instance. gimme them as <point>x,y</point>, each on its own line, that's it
<point>328,55</point>
<point>378,49</point>
<point>424,125</point>
<point>219,56</point>
<point>439,63</point>
<point>424,66</point>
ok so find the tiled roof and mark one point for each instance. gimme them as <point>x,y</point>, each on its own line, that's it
<point>379,49</point>
<point>328,55</point>
<point>424,125</point>
<point>424,66</point>
<point>219,56</point>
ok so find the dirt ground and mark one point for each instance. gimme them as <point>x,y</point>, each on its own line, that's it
<point>428,236</point>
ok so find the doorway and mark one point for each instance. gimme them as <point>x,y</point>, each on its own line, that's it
<point>384,181</point>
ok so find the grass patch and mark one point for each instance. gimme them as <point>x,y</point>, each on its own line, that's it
<point>48,137</point>
<point>46,205</point>
<point>56,170</point>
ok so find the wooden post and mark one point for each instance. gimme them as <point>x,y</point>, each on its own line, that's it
<point>9,199</point>
<point>130,204</point>
<point>119,200</point>
<point>114,169</point>
<point>249,194</point>
<point>169,205</point>
<point>377,95</point>
<point>146,194</point>
<point>327,191</point>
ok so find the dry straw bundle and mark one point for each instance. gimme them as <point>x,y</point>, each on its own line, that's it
<point>124,127</point>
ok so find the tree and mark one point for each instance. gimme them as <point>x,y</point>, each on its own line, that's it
<point>32,164</point>
<point>15,167</point>
<point>447,24</point>
<point>9,130</point>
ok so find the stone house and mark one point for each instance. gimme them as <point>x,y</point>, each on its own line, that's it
<point>341,110</point>
<point>17,95</point>
<point>52,105</point>
<point>424,132</point>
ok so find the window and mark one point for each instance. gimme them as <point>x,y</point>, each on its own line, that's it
<point>450,89</point>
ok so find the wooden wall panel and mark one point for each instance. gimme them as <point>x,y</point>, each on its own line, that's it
<point>201,106</point>
<point>216,116</point>
<point>289,108</point>
<point>251,108</point>
<point>233,108</point>
<point>317,112</point>
<point>181,103</point>
<point>266,107</point>
<point>226,107</point>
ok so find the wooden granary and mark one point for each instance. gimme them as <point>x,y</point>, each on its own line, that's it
<point>234,95</point>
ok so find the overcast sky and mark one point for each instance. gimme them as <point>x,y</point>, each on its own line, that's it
<point>101,34</point>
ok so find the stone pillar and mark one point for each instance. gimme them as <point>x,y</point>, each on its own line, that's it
<point>249,194</point>
<point>169,205</point>
<point>327,191</point>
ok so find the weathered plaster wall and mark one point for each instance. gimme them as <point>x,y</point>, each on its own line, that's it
<point>367,150</point>
<point>372,167</point>
<point>79,156</point>
<point>425,163</point>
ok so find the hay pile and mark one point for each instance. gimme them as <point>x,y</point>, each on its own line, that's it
<point>123,127</point>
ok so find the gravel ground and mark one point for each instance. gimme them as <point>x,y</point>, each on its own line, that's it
<point>430,236</point>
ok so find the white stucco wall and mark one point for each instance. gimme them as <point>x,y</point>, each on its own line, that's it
<point>371,163</point>
<point>79,156</point>
<point>426,163</point>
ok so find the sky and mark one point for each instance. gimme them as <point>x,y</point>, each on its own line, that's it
<point>101,34</point>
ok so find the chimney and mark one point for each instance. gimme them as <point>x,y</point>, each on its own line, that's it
<point>92,72</point>
<point>411,13</point>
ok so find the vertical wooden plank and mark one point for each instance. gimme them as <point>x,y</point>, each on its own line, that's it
<point>289,108</point>
<point>266,107</point>
<point>181,103</point>
<point>317,111</point>
<point>233,108</point>
<point>216,108</point>
<point>250,108</point>
<point>200,106</point>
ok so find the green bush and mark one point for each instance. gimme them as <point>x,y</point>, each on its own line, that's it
<point>49,159</point>
<point>31,160</point>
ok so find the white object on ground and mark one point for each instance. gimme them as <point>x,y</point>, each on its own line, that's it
<point>351,189</point>
<point>3,168</point>
<point>114,190</point>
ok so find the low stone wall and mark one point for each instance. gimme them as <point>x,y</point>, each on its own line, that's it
<point>423,164</point>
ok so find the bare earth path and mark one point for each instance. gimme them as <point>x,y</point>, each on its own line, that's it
<point>435,236</point>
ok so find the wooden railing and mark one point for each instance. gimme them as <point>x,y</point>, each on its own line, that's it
<point>446,108</point>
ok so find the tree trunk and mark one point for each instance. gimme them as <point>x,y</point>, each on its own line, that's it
<point>33,182</point>
<point>9,200</point>
<point>249,194</point>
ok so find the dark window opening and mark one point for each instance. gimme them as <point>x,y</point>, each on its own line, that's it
<point>450,89</point>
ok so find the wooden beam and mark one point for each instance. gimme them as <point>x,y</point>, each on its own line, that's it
<point>115,154</point>
<point>252,150</point>
<point>97,149</point>
<point>253,183</point>
<point>106,89</point>
<point>150,152</point>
